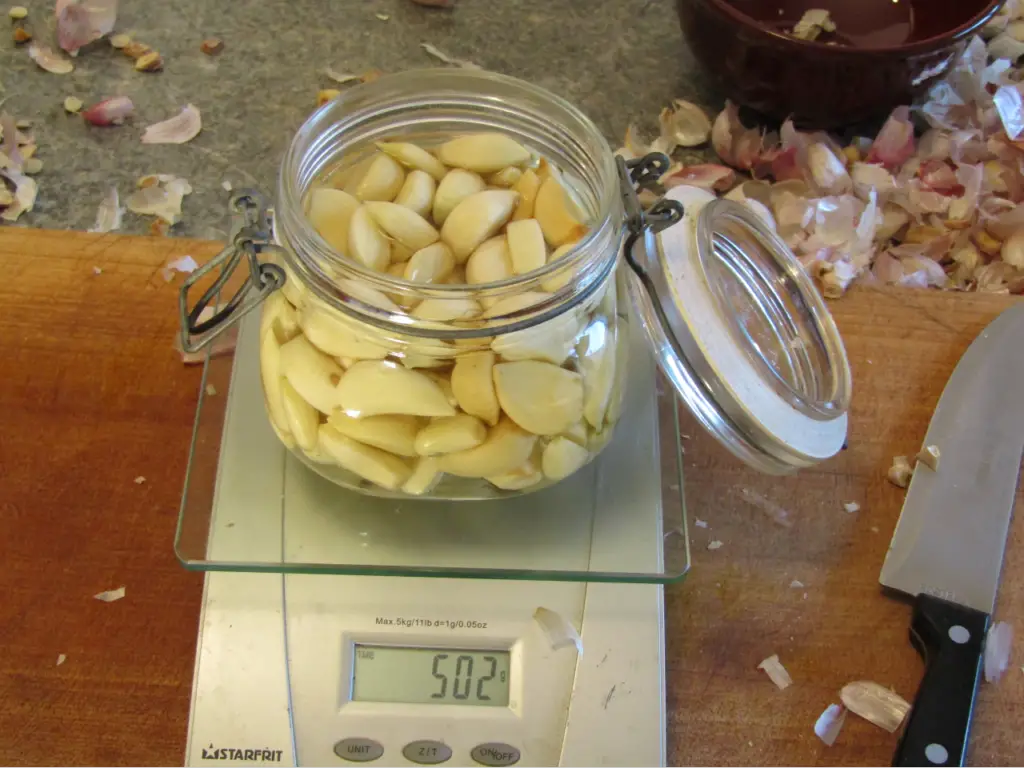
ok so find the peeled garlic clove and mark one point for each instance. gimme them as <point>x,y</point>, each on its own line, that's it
<point>367,295</point>
<point>270,373</point>
<point>596,352</point>
<point>551,341</point>
<point>417,193</point>
<point>562,457</point>
<point>303,419</point>
<point>540,397</point>
<point>490,262</point>
<point>444,382</point>
<point>400,253</point>
<point>527,475</point>
<point>423,478</point>
<point>403,225</point>
<point>446,310</point>
<point>516,303</point>
<point>553,212</point>
<point>413,156</point>
<point>349,178</point>
<point>473,385</point>
<point>382,180</point>
<point>475,219</point>
<point>313,374</point>
<point>455,187</point>
<point>507,447</point>
<point>578,431</point>
<point>430,265</point>
<point>450,434</point>
<point>483,152</point>
<point>335,337</point>
<point>506,177</point>
<point>527,187</point>
<point>377,466</point>
<point>279,317</point>
<point>526,245</point>
<point>559,281</point>
<point>402,300</point>
<point>366,243</point>
<point>393,433</point>
<point>370,388</point>
<point>330,211</point>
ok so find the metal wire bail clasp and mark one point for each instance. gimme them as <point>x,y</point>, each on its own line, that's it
<point>250,236</point>
<point>639,173</point>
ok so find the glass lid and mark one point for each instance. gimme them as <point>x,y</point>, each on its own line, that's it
<point>742,333</point>
<point>250,505</point>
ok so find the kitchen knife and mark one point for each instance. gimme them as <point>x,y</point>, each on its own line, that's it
<point>947,549</point>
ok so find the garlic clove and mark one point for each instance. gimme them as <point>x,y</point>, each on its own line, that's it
<point>424,477</point>
<point>403,225</point>
<point>551,341</point>
<point>348,179</point>
<point>450,434</point>
<point>507,447</point>
<point>526,245</point>
<point>483,152</point>
<point>366,243</point>
<point>559,281</point>
<point>477,218</point>
<point>527,187</point>
<point>430,265</point>
<point>444,382</point>
<point>516,303</point>
<point>473,386</point>
<point>540,397</point>
<point>506,178</point>
<point>446,310</point>
<point>313,374</point>
<point>377,466</point>
<point>335,337</point>
<point>330,211</point>
<point>490,262</point>
<point>393,433</point>
<point>382,180</point>
<point>402,300</point>
<point>596,354</point>
<point>521,477</point>
<point>371,296</point>
<point>270,373</point>
<point>279,317</point>
<point>562,457</point>
<point>578,431</point>
<point>370,388</point>
<point>417,193</point>
<point>553,211</point>
<point>400,253</point>
<point>455,187</point>
<point>414,157</point>
<point>303,419</point>
<point>827,171</point>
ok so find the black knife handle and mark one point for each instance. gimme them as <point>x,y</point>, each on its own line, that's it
<point>951,638</point>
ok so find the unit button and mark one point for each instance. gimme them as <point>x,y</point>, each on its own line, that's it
<point>359,750</point>
<point>427,752</point>
<point>495,753</point>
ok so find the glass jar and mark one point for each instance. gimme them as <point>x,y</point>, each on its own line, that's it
<point>455,391</point>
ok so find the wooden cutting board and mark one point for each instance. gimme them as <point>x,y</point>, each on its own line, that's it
<point>95,418</point>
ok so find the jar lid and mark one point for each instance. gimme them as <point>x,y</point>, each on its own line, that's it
<point>742,333</point>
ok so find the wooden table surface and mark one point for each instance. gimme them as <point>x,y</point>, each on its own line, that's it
<point>92,396</point>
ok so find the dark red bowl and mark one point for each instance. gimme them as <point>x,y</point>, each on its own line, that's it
<point>891,52</point>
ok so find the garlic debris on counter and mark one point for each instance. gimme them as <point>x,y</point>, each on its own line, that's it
<point>179,129</point>
<point>110,595</point>
<point>997,651</point>
<point>830,723</point>
<point>875,703</point>
<point>900,472</point>
<point>778,674</point>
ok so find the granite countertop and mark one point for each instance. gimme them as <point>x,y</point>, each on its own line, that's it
<point>619,61</point>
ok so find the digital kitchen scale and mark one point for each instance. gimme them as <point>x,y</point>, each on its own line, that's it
<point>339,629</point>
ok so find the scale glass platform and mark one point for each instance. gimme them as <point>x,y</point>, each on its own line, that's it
<point>339,628</point>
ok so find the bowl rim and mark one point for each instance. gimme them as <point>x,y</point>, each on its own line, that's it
<point>918,46</point>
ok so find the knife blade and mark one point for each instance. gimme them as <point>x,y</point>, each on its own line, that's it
<point>947,549</point>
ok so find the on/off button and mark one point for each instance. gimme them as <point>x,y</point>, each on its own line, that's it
<point>495,753</point>
<point>358,750</point>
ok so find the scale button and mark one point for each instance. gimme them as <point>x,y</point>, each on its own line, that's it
<point>358,750</point>
<point>426,752</point>
<point>495,753</point>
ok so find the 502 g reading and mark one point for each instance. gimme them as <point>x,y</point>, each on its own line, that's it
<point>406,675</point>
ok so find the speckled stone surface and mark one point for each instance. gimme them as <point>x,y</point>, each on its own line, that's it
<point>618,60</point>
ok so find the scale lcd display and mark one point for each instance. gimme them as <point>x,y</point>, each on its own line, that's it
<point>385,673</point>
